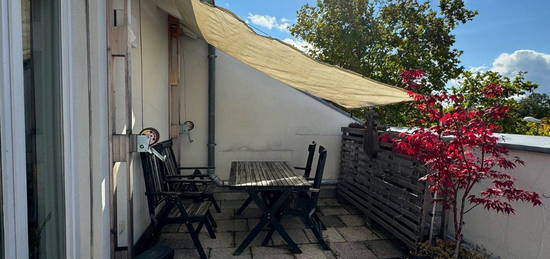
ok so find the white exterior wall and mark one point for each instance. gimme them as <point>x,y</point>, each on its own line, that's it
<point>149,80</point>
<point>149,93</point>
<point>525,234</point>
<point>257,117</point>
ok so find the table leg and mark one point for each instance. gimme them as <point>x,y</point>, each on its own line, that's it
<point>269,216</point>
<point>243,207</point>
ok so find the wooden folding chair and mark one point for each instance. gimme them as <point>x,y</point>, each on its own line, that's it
<point>172,207</point>
<point>309,161</point>
<point>195,182</point>
<point>304,204</point>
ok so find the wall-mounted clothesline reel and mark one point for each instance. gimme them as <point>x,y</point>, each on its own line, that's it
<point>146,139</point>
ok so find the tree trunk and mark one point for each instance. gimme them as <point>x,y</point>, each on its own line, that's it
<point>459,224</point>
<point>457,247</point>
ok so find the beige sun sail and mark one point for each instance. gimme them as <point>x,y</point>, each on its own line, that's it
<point>224,30</point>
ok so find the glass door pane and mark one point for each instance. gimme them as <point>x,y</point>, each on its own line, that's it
<point>43,123</point>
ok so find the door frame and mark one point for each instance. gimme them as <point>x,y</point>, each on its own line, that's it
<point>12,133</point>
<point>12,123</point>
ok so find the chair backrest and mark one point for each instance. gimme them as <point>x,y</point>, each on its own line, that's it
<point>154,180</point>
<point>170,165</point>
<point>309,162</point>
<point>319,173</point>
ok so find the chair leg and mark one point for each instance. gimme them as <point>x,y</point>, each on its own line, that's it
<point>212,221</point>
<point>243,207</point>
<point>195,236</point>
<point>199,227</point>
<point>268,236</point>
<point>209,228</point>
<point>316,217</point>
<point>316,229</point>
<point>215,203</point>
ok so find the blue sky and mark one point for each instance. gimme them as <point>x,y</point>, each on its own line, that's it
<point>507,36</point>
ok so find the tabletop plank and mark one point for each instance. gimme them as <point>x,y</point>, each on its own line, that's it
<point>265,175</point>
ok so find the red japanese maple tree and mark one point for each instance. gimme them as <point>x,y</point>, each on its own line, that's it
<point>459,149</point>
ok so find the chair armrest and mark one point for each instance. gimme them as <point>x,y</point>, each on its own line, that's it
<point>299,168</point>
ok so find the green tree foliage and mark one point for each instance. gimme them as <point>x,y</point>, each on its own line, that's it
<point>380,38</point>
<point>535,105</point>
<point>471,84</point>
<point>538,106</point>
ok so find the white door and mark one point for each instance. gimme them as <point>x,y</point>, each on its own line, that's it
<point>32,130</point>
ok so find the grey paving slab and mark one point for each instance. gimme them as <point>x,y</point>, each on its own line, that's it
<point>351,209</point>
<point>347,235</point>
<point>381,233</point>
<point>332,221</point>
<point>230,196</point>
<point>330,235</point>
<point>188,253</point>
<point>235,204</point>
<point>329,211</point>
<point>226,213</point>
<point>176,240</point>
<point>314,251</point>
<point>170,228</point>
<point>352,220</point>
<point>234,225</point>
<point>183,228</point>
<point>327,192</point>
<point>275,256</point>
<point>352,250</point>
<point>253,222</point>
<point>240,236</point>
<point>352,234</point>
<point>222,240</point>
<point>328,202</point>
<point>297,235</point>
<point>222,253</point>
<point>292,222</point>
<point>262,251</point>
<point>386,249</point>
<point>250,213</point>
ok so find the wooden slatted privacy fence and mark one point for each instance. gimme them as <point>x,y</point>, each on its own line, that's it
<point>385,186</point>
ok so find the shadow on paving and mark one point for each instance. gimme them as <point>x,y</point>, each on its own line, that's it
<point>347,234</point>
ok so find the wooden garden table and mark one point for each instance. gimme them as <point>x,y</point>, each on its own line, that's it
<point>258,178</point>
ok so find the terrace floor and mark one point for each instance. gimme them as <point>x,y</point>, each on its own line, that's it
<point>347,233</point>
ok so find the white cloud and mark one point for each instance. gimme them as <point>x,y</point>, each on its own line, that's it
<point>536,64</point>
<point>268,22</point>
<point>478,69</point>
<point>299,44</point>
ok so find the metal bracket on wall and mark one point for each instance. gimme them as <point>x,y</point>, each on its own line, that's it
<point>124,144</point>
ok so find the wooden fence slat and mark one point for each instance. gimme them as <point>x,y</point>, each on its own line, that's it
<point>385,186</point>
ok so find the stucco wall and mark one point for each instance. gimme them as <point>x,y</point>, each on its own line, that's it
<point>257,117</point>
<point>149,68</point>
<point>525,234</point>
